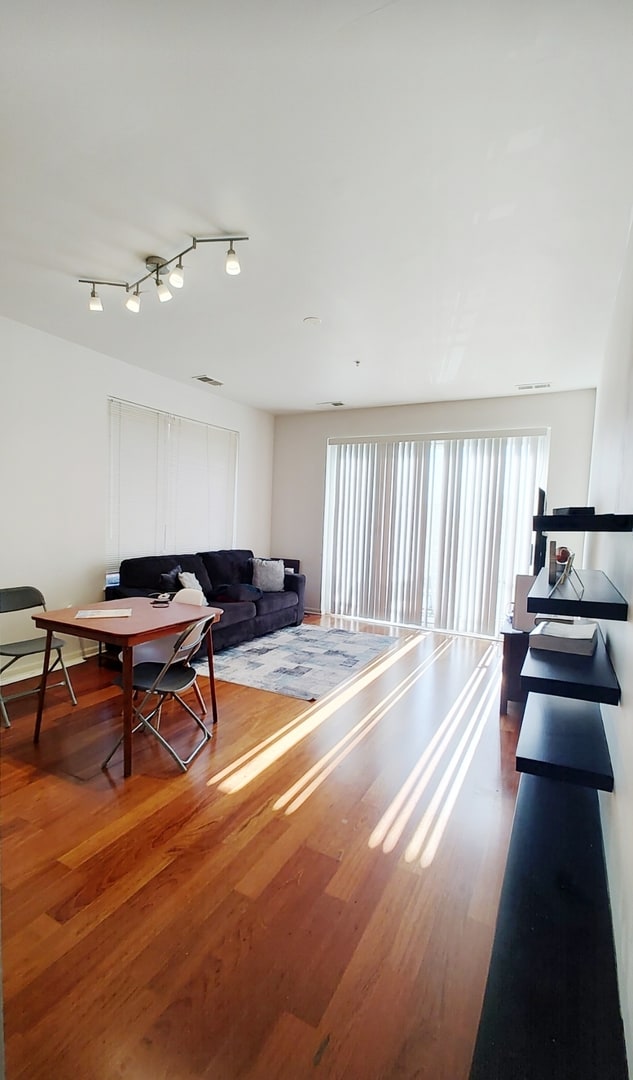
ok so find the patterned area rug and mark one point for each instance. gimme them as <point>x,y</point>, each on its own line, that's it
<point>302,661</point>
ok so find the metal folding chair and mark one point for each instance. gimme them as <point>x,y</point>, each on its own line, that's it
<point>22,598</point>
<point>160,682</point>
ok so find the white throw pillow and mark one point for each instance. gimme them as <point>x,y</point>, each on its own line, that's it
<point>189,581</point>
<point>268,574</point>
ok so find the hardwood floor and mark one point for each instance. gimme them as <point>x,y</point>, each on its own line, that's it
<point>315,897</point>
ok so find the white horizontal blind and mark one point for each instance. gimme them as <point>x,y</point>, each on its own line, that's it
<point>172,483</point>
<point>429,532</point>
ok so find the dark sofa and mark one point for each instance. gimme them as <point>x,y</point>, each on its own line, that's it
<point>226,578</point>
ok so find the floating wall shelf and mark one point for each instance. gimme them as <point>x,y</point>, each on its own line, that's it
<point>583,523</point>
<point>598,599</point>
<point>584,678</point>
<point>563,739</point>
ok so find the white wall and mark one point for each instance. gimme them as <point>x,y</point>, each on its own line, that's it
<point>300,450</point>
<point>54,454</point>
<point>611,491</point>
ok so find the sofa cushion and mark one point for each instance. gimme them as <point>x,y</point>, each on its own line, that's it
<point>276,601</point>
<point>236,612</point>
<point>228,567</point>
<point>231,593</point>
<point>268,574</point>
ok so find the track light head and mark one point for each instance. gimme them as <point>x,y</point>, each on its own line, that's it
<point>232,264</point>
<point>95,300</point>
<point>133,302</point>
<point>177,276</point>
<point>163,292</point>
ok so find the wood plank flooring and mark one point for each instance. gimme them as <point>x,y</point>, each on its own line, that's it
<point>315,897</point>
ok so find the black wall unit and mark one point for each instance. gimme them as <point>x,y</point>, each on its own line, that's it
<point>551,1006</point>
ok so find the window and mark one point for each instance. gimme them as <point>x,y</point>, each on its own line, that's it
<point>172,483</point>
<point>430,531</point>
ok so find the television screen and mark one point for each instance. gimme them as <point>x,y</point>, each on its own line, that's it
<point>540,539</point>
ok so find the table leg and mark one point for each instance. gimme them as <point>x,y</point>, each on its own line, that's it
<point>214,703</point>
<point>42,693</point>
<point>127,710</point>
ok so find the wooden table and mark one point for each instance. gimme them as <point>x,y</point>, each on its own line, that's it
<point>146,623</point>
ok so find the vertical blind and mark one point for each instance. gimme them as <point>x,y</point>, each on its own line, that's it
<point>429,532</point>
<point>172,483</point>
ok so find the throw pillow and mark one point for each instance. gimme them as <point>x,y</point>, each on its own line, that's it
<point>237,592</point>
<point>169,581</point>
<point>189,581</point>
<point>268,574</point>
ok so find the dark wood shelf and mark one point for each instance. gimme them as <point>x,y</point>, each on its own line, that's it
<point>551,1006</point>
<point>599,597</point>
<point>583,678</point>
<point>563,739</point>
<point>583,522</point>
<point>515,645</point>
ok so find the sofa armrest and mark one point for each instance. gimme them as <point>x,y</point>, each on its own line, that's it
<point>296,583</point>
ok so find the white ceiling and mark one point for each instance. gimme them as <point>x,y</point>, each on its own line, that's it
<point>446,184</point>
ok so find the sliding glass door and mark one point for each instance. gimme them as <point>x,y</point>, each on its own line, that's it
<point>430,531</point>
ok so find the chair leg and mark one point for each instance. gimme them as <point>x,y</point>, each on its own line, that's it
<point>67,678</point>
<point>164,743</point>
<point>119,741</point>
<point>145,724</point>
<point>206,735</point>
<point>200,698</point>
<point>3,709</point>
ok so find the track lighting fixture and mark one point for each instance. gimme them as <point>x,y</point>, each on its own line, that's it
<point>157,267</point>
<point>177,276</point>
<point>162,291</point>
<point>95,300</point>
<point>232,264</point>
<point>133,302</point>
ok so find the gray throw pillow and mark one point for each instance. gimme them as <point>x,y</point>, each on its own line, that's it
<point>268,574</point>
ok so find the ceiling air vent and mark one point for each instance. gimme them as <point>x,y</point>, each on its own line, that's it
<point>208,380</point>
<point>534,386</point>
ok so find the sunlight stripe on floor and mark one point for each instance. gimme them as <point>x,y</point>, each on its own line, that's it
<point>261,757</point>
<point>318,773</point>
<point>393,822</point>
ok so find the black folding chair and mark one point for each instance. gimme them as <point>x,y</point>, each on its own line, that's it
<point>22,598</point>
<point>160,682</point>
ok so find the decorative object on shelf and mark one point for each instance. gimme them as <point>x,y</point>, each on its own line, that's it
<point>566,569</point>
<point>552,569</point>
<point>570,637</point>
<point>157,267</point>
<point>522,619</point>
<point>569,511</point>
